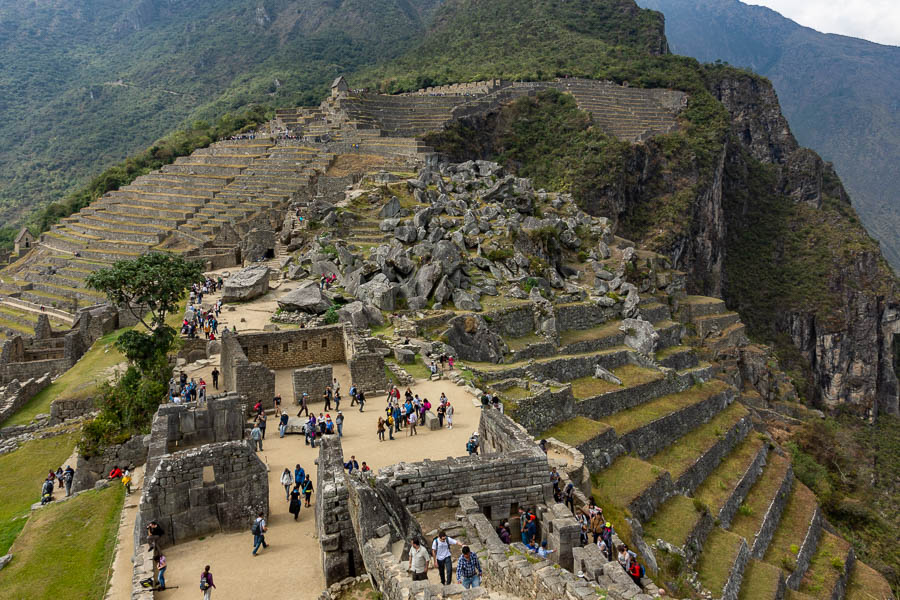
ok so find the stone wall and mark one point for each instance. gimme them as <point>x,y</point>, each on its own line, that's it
<point>313,380</point>
<point>513,322</point>
<point>732,587</point>
<point>367,371</point>
<point>739,493</point>
<point>63,409</point>
<point>583,316</point>
<point>88,470</point>
<point>807,549</point>
<point>544,409</point>
<point>341,556</point>
<point>142,569</point>
<point>204,490</point>
<point>255,381</point>
<point>16,394</point>
<point>295,348</point>
<point>697,473</point>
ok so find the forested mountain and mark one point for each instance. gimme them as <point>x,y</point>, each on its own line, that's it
<point>84,83</point>
<point>840,94</point>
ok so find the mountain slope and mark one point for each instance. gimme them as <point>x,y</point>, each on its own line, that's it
<point>840,94</point>
<point>84,84</point>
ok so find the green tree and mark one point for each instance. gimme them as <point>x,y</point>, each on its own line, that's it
<point>149,287</point>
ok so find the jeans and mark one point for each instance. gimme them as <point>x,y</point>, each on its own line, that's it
<point>259,540</point>
<point>471,582</point>
<point>287,491</point>
<point>445,568</point>
<point>340,430</point>
<point>282,429</point>
<point>161,577</point>
<point>207,593</point>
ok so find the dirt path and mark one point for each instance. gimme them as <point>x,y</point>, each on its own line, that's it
<point>120,582</point>
<point>291,566</point>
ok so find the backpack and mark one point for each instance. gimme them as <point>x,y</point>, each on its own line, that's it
<point>637,569</point>
<point>147,583</point>
<point>255,529</point>
<point>204,584</point>
<point>470,446</point>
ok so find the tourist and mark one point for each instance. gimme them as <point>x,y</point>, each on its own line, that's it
<point>468,570</point>
<point>351,465</point>
<point>215,377</point>
<point>59,476</point>
<point>472,444</point>
<point>337,400</point>
<point>530,532</point>
<point>636,571</point>
<point>412,420</point>
<point>126,481</point>
<point>365,468</point>
<point>326,396</point>
<point>397,418</point>
<point>339,419</point>
<point>304,398</point>
<point>154,535</point>
<point>448,413</point>
<point>352,395</point>
<point>299,475</point>
<point>625,556</point>
<point>46,491</point>
<point>503,532</point>
<point>294,507</point>
<point>262,424</point>
<point>259,530</point>
<point>113,473</point>
<point>569,496</point>
<point>257,408</point>
<point>68,478</point>
<point>554,479</point>
<point>418,561</point>
<point>287,481</point>
<point>450,362</point>
<point>390,426</point>
<point>440,413</point>
<point>282,424</point>
<point>161,572</point>
<point>597,526</point>
<point>443,561</point>
<point>543,552</point>
<point>307,490</point>
<point>361,399</point>
<point>336,386</point>
<point>606,534</point>
<point>277,402</point>
<point>256,437</point>
<point>543,445</point>
<point>206,583</point>
<point>380,429</point>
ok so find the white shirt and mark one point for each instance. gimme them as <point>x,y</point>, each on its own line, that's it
<point>442,549</point>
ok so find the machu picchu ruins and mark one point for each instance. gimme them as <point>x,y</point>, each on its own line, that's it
<point>597,420</point>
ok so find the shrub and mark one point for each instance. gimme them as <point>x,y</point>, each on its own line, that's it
<point>331,316</point>
<point>497,254</point>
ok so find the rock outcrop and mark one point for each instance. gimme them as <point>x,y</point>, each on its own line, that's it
<point>247,284</point>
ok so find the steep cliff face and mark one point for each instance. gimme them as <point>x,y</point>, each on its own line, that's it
<point>830,288</point>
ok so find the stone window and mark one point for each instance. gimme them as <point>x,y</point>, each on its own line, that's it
<point>284,347</point>
<point>265,349</point>
<point>324,342</point>
<point>209,475</point>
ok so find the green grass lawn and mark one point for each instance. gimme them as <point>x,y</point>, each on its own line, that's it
<point>750,516</point>
<point>520,343</point>
<point>673,521</point>
<point>868,584</point>
<point>625,479</point>
<point>760,580</point>
<point>66,549</point>
<point>21,475</point>
<point>678,457</point>
<point>717,488</point>
<point>633,418</point>
<point>78,382</point>
<point>793,527</point>
<point>631,376</point>
<point>572,336</point>
<point>575,431</point>
<point>717,558</point>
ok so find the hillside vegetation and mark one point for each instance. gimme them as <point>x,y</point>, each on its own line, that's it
<point>840,94</point>
<point>85,84</point>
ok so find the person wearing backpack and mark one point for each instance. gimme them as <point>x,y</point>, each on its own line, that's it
<point>636,570</point>
<point>206,583</point>
<point>259,530</point>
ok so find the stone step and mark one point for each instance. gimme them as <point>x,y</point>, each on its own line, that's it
<point>797,535</point>
<point>116,234</point>
<point>631,484</point>
<point>196,179</point>
<point>654,312</point>
<point>715,324</point>
<point>101,219</point>
<point>160,199</point>
<point>81,264</point>
<point>109,255</point>
<point>732,337</point>
<point>693,457</point>
<point>762,581</point>
<point>682,523</point>
<point>758,517</point>
<point>157,187</point>
<point>651,427</point>
<point>204,170</point>
<point>57,240</point>
<point>699,306</point>
<point>186,184</point>
<point>677,357</point>
<point>129,211</point>
<point>722,563</point>
<point>724,490</point>
<point>829,568</point>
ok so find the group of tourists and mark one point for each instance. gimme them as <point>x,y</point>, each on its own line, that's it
<point>200,320</point>
<point>468,567</point>
<point>62,476</point>
<point>296,485</point>
<point>182,390</point>
<point>327,280</point>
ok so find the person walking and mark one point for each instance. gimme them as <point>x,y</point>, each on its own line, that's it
<point>307,490</point>
<point>256,437</point>
<point>259,530</point>
<point>380,429</point>
<point>449,414</point>
<point>262,425</point>
<point>390,426</point>
<point>418,561</point>
<point>215,377</point>
<point>207,585</point>
<point>443,560</point>
<point>339,419</point>
<point>68,478</point>
<point>361,399</point>
<point>299,476</point>
<point>287,481</point>
<point>294,507</point>
<point>161,572</point>
<point>327,398</point>
<point>304,398</point>
<point>412,420</point>
<point>468,569</point>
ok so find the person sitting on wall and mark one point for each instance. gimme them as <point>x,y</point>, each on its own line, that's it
<point>115,472</point>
